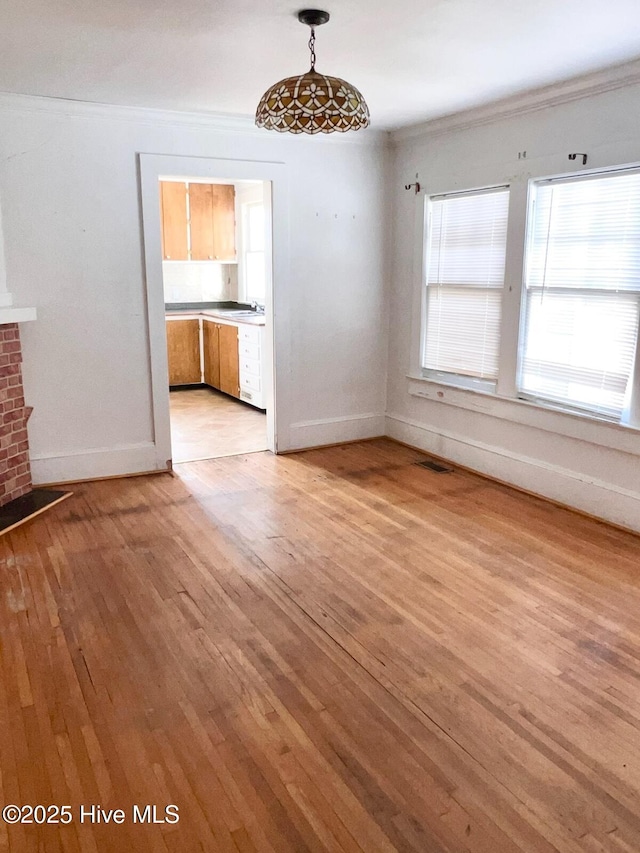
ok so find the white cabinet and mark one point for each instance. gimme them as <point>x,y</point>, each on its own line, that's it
<point>250,353</point>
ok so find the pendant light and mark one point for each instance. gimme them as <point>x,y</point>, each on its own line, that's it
<point>312,102</point>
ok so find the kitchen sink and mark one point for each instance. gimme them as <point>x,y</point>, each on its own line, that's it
<point>233,312</point>
<point>236,312</point>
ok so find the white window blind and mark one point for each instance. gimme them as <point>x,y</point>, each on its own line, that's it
<point>465,276</point>
<point>583,292</point>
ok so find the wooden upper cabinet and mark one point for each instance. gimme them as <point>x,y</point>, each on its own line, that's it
<point>201,222</point>
<point>223,198</point>
<point>173,212</point>
<point>209,233</point>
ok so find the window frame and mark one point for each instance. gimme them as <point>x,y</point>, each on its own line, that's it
<point>633,418</point>
<point>458,380</point>
<point>245,249</point>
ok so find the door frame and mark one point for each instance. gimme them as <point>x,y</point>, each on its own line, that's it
<point>153,168</point>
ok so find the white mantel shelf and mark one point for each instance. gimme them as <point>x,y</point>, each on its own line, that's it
<point>16,315</point>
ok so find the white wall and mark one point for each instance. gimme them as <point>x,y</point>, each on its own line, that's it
<point>73,241</point>
<point>592,466</point>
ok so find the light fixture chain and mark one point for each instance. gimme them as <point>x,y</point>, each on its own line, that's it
<point>312,48</point>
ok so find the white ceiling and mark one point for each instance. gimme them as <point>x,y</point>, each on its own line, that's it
<point>412,59</point>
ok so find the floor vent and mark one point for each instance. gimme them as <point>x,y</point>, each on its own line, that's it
<point>432,465</point>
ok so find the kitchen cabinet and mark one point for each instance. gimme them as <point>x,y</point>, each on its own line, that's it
<point>183,351</point>
<point>226,356</point>
<point>223,212</point>
<point>221,361</point>
<point>173,215</point>
<point>208,232</point>
<point>211,347</point>
<point>201,222</point>
<point>251,347</point>
<point>229,361</point>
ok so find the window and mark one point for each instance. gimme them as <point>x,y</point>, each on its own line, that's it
<point>466,245</point>
<point>254,256</point>
<point>565,335</point>
<point>582,293</point>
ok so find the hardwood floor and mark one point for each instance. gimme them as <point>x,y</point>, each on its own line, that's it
<point>331,651</point>
<point>206,423</point>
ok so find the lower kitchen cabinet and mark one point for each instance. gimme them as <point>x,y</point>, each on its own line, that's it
<point>251,349</point>
<point>229,361</point>
<point>231,358</point>
<point>183,351</point>
<point>211,347</point>
<point>221,362</point>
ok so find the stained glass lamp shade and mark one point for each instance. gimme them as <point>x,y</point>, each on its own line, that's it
<point>312,102</point>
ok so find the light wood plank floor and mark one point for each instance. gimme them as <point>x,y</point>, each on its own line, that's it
<point>332,651</point>
<point>206,424</point>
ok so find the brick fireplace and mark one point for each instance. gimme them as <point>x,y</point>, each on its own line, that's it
<point>15,472</point>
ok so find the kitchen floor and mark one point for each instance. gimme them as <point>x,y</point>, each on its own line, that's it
<point>206,424</point>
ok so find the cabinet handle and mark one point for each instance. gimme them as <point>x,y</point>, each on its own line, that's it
<point>168,257</point>
<point>210,257</point>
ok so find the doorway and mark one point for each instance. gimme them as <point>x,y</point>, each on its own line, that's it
<point>215,274</point>
<point>210,300</point>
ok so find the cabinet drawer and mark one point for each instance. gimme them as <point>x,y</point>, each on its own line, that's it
<point>250,334</point>
<point>248,350</point>
<point>249,381</point>
<point>249,366</point>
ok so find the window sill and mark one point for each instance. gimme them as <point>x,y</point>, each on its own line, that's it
<point>584,427</point>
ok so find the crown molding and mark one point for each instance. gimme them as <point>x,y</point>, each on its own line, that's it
<point>556,94</point>
<point>211,121</point>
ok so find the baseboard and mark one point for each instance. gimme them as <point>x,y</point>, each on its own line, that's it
<point>96,464</point>
<point>589,495</point>
<point>101,463</point>
<point>320,433</point>
<point>334,444</point>
<point>594,497</point>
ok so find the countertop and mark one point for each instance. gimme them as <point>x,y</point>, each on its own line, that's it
<point>225,316</point>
